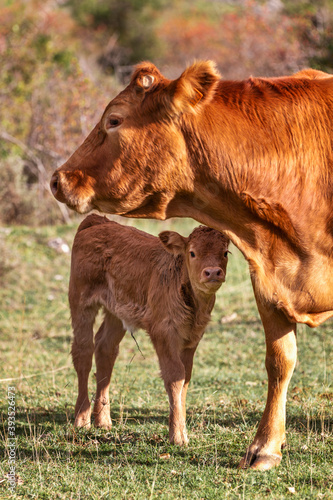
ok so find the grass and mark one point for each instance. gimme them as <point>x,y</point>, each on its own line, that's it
<point>135,460</point>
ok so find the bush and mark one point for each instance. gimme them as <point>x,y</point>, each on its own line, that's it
<point>47,107</point>
<point>16,201</point>
<point>24,196</point>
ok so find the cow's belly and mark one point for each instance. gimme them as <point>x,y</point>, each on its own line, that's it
<point>303,289</point>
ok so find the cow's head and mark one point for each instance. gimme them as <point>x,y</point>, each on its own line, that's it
<point>135,160</point>
<point>206,256</point>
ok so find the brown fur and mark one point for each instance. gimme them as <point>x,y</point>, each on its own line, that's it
<point>252,158</point>
<point>141,283</point>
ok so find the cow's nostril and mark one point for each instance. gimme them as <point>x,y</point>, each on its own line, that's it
<point>207,273</point>
<point>54,184</point>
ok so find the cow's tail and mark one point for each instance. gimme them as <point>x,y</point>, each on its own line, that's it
<point>92,220</point>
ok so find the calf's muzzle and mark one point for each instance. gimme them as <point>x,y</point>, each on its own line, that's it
<point>212,274</point>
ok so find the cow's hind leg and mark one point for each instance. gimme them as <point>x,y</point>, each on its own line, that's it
<point>107,342</point>
<point>82,353</point>
<point>281,351</point>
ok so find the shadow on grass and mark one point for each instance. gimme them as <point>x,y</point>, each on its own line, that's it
<point>139,436</point>
<point>127,418</point>
<point>131,416</point>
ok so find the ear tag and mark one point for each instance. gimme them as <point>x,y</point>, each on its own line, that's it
<point>147,81</point>
<point>194,101</point>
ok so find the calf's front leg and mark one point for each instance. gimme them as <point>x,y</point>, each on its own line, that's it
<point>173,374</point>
<point>187,356</point>
<point>281,351</point>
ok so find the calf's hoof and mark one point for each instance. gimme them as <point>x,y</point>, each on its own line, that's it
<point>102,418</point>
<point>103,423</point>
<point>82,421</point>
<point>257,461</point>
<point>82,415</point>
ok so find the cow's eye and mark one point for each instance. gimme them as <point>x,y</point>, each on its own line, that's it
<point>113,122</point>
<point>192,254</point>
<point>226,254</point>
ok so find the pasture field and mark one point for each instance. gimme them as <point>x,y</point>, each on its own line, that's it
<point>134,460</point>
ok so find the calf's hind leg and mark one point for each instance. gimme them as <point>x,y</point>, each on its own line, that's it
<point>107,340</point>
<point>82,353</point>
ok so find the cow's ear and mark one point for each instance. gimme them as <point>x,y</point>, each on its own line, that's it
<point>196,86</point>
<point>145,77</point>
<point>173,242</point>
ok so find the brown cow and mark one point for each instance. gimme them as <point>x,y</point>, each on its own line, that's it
<point>252,158</point>
<point>166,289</point>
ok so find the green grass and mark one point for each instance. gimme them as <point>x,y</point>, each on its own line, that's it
<point>135,460</point>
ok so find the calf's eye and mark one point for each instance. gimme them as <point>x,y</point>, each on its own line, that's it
<point>192,254</point>
<point>226,253</point>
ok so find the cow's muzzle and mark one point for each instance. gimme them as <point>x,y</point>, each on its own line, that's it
<point>78,198</point>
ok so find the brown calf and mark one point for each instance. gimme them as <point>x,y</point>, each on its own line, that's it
<point>252,158</point>
<point>163,285</point>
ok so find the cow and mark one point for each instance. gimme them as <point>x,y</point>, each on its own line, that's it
<point>164,285</point>
<point>252,158</point>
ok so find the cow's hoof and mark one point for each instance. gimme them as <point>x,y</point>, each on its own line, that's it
<point>260,462</point>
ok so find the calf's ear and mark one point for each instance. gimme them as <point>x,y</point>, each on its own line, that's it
<point>195,87</point>
<point>173,242</point>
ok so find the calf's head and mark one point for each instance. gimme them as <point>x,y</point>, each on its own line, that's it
<point>206,256</point>
<point>135,160</point>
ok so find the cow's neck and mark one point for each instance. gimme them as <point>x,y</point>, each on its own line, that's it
<point>247,151</point>
<point>282,271</point>
<point>237,189</point>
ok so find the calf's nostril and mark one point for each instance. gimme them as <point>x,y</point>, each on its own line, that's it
<point>212,274</point>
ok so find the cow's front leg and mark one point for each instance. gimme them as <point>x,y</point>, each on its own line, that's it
<point>281,352</point>
<point>173,374</point>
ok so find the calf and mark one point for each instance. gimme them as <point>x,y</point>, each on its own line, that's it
<point>163,285</point>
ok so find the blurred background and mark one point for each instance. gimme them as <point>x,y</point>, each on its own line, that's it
<point>62,61</point>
